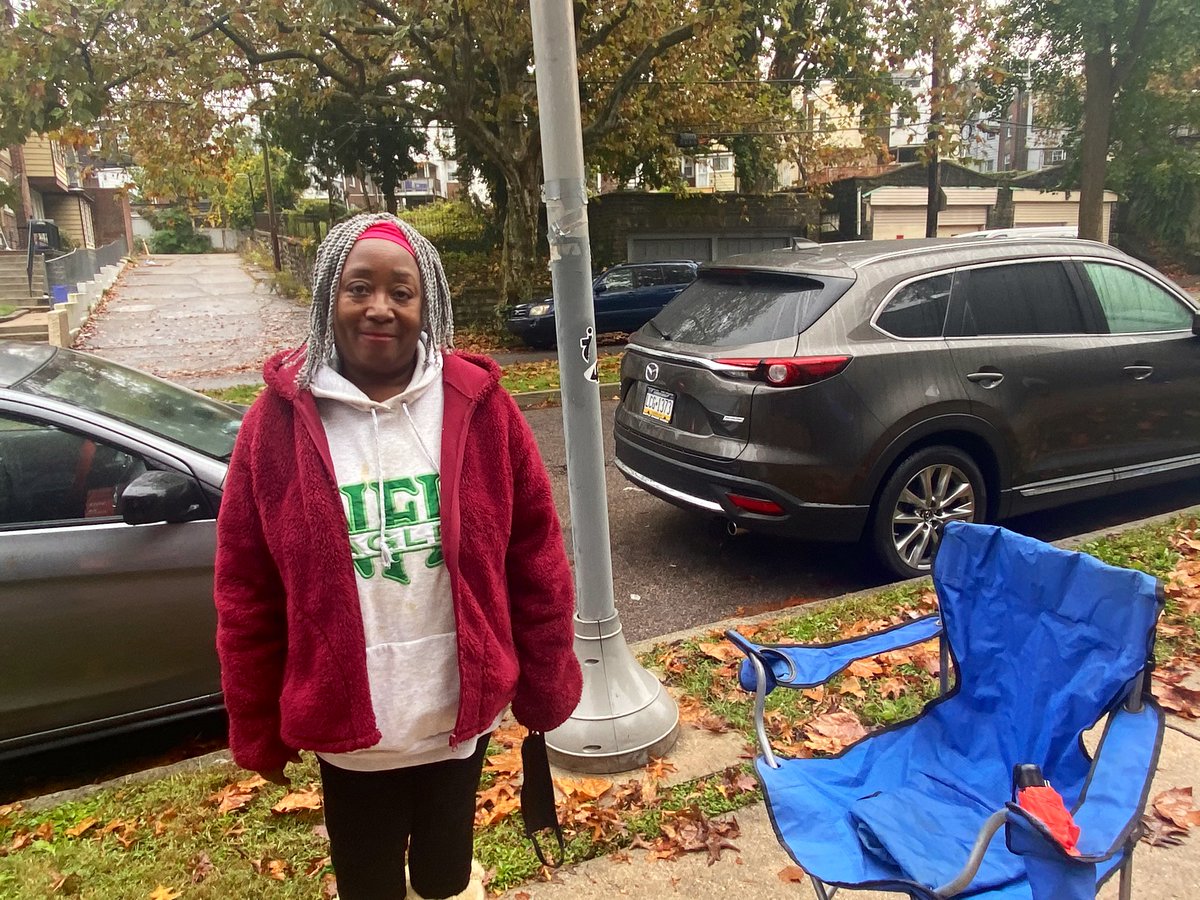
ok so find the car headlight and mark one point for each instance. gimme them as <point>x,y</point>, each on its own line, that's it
<point>540,309</point>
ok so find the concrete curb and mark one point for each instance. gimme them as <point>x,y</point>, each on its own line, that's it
<point>538,399</point>
<point>222,756</point>
<point>1069,543</point>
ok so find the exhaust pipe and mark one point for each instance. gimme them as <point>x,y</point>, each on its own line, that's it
<point>733,529</point>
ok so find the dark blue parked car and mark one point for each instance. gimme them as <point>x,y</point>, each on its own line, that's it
<point>625,297</point>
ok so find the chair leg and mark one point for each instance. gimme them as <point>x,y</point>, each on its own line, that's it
<point>822,892</point>
<point>1125,890</point>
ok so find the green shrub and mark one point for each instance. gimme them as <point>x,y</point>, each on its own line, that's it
<point>177,234</point>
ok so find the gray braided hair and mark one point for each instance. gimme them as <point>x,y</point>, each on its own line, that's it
<point>437,316</point>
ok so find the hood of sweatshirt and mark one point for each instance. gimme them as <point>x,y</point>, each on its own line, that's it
<point>329,384</point>
<point>472,375</point>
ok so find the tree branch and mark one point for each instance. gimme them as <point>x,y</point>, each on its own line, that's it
<point>257,59</point>
<point>606,120</point>
<point>1123,66</point>
<point>598,37</point>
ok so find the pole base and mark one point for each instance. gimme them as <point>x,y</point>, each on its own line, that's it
<point>625,716</point>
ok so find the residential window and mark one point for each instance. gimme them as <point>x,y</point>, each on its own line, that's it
<point>1025,298</point>
<point>918,310</point>
<point>1057,155</point>
<point>687,167</point>
<point>1133,304</point>
<point>722,163</point>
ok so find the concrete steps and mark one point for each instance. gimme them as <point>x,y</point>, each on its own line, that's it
<point>33,326</point>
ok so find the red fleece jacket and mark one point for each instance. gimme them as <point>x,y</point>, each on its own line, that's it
<point>289,628</point>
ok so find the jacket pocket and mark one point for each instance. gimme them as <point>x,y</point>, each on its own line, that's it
<point>414,692</point>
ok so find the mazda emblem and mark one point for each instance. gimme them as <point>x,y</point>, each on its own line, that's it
<point>652,372</point>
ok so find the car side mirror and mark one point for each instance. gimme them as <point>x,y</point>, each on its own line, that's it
<point>157,496</point>
<point>1196,324</point>
<point>600,288</point>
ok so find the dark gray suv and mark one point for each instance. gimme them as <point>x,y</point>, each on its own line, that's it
<point>875,389</point>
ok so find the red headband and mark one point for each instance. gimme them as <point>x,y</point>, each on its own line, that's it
<point>388,231</point>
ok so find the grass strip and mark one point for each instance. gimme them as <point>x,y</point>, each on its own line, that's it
<point>517,378</point>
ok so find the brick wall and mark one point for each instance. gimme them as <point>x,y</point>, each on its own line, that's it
<point>614,218</point>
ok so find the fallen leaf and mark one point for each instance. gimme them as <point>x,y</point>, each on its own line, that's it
<point>1175,806</point>
<point>722,651</point>
<point>278,869</point>
<point>833,732</point>
<point>201,868</point>
<point>892,687</point>
<point>297,801</point>
<point>586,788</point>
<point>231,798</point>
<point>69,885</point>
<point>316,865</point>
<point>20,841</point>
<point>816,695</point>
<point>44,832</point>
<point>165,893</point>
<point>1160,833</point>
<point>864,668</point>
<point>658,769</point>
<point>321,831</point>
<point>792,875</point>
<point>851,686</point>
<point>329,888</point>
<point>88,823</point>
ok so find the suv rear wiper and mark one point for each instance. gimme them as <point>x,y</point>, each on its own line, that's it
<point>661,333</point>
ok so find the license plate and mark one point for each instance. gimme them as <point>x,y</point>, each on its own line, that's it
<point>658,404</point>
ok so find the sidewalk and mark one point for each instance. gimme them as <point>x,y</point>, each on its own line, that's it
<point>753,873</point>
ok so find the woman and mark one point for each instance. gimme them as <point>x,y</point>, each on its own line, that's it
<point>390,569</point>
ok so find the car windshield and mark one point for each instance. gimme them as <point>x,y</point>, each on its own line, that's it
<point>728,307</point>
<point>159,407</point>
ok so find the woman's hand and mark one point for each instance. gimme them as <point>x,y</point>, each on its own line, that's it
<point>277,776</point>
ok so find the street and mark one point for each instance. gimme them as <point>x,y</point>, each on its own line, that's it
<point>675,569</point>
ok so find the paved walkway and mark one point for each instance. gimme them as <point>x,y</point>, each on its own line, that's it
<point>204,320</point>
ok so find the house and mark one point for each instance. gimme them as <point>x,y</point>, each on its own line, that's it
<point>55,191</point>
<point>892,205</point>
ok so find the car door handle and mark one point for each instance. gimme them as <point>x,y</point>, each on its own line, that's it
<point>1139,373</point>
<point>987,379</point>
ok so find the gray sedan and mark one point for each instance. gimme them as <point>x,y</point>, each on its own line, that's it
<point>110,480</point>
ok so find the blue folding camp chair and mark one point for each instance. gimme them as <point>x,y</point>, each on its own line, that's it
<point>1045,643</point>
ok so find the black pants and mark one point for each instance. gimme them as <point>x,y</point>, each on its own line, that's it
<point>372,817</point>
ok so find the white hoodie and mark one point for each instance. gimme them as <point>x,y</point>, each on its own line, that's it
<point>385,457</point>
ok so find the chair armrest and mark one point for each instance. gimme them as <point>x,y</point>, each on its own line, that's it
<point>959,882</point>
<point>807,665</point>
<point>1108,814</point>
<point>1114,796</point>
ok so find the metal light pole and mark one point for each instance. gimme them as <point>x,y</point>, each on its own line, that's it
<point>625,716</point>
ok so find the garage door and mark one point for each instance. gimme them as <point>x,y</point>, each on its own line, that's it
<point>650,249</point>
<point>728,246</point>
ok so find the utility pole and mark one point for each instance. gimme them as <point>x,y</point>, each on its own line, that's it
<point>270,192</point>
<point>625,716</point>
<point>933,198</point>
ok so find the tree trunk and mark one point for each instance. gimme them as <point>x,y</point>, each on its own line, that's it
<point>519,254</point>
<point>1093,151</point>
<point>389,196</point>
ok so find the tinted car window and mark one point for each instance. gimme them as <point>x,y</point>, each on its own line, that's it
<point>1027,298</point>
<point>50,475</point>
<point>918,310</point>
<point>650,276</point>
<point>679,274</point>
<point>1133,303</point>
<point>727,308</point>
<point>618,280</point>
<point>140,400</point>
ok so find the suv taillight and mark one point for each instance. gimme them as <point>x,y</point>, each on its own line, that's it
<point>790,371</point>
